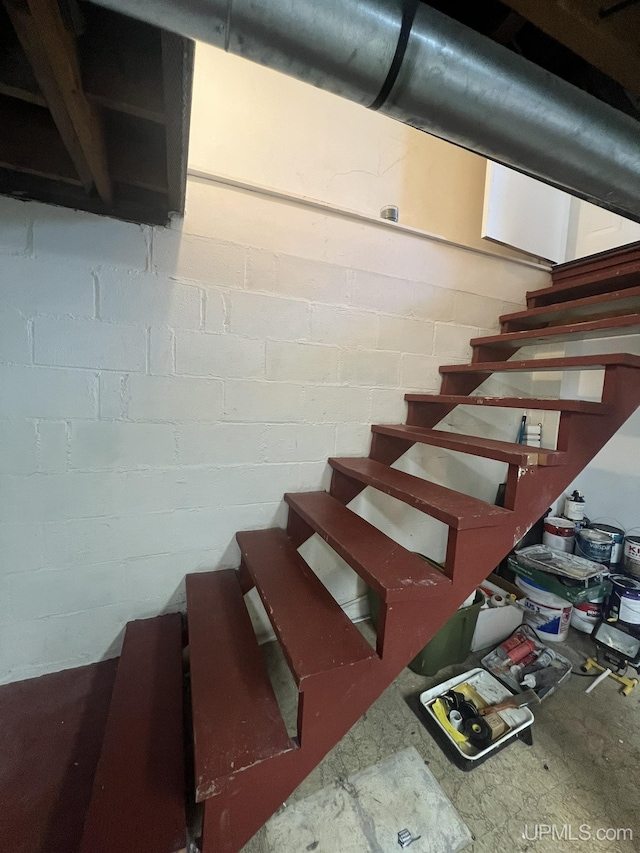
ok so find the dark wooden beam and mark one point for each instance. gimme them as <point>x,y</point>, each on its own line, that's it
<point>177,79</point>
<point>51,50</point>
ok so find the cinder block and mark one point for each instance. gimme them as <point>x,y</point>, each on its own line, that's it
<point>473,310</point>
<point>263,402</point>
<point>14,223</point>
<point>383,293</point>
<point>419,372</point>
<point>301,362</point>
<point>35,287</point>
<point>14,338</point>
<point>174,398</point>
<point>17,447</point>
<point>298,442</point>
<point>342,326</point>
<point>260,270</point>
<point>181,255</point>
<point>161,351</point>
<point>238,485</point>
<point>214,310</point>
<point>432,302</point>
<point>105,444</point>
<point>46,392</point>
<point>147,300</point>
<point>387,407</point>
<point>370,367</point>
<point>200,354</point>
<point>53,641</point>
<point>96,240</point>
<point>211,444</point>
<point>404,335</point>
<point>257,316</point>
<point>164,573</point>
<point>338,404</point>
<point>353,439</point>
<point>453,341</point>
<point>53,445</point>
<point>48,593</point>
<point>113,395</point>
<point>313,280</point>
<point>89,343</point>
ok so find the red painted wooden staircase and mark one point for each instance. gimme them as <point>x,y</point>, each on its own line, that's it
<point>245,763</point>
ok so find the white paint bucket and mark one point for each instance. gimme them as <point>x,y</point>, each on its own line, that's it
<point>586,615</point>
<point>559,534</point>
<point>548,614</point>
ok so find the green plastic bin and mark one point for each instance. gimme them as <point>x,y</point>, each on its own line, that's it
<point>451,644</point>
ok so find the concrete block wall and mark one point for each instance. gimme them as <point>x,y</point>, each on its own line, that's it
<point>161,388</point>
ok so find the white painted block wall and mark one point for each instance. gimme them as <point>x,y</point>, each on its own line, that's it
<point>161,388</point>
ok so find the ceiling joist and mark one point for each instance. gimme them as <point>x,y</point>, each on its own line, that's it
<point>51,50</point>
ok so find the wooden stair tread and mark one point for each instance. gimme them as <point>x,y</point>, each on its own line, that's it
<point>503,451</point>
<point>456,509</point>
<point>535,404</point>
<point>138,797</point>
<point>628,324</point>
<point>534,365</point>
<point>615,269</point>
<point>315,634</point>
<point>619,301</point>
<point>392,571</point>
<point>236,718</point>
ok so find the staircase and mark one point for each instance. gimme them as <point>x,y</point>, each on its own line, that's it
<point>245,763</point>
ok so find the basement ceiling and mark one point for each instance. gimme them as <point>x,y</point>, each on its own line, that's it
<point>94,110</point>
<point>593,44</point>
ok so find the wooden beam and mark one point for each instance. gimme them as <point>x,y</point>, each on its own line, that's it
<point>177,78</point>
<point>51,50</point>
<point>577,25</point>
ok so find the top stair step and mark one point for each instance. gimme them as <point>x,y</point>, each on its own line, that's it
<point>514,454</point>
<point>393,572</point>
<point>628,324</point>
<point>138,790</point>
<point>616,269</point>
<point>236,718</point>
<point>590,307</point>
<point>315,634</point>
<point>460,511</point>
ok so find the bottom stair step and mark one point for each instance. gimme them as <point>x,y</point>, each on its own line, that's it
<point>236,718</point>
<point>138,798</point>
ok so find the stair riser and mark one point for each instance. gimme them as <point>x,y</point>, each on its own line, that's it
<point>581,286</point>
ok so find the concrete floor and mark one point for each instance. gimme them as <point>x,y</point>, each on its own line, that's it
<point>583,767</point>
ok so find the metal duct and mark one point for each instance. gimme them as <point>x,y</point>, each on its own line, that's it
<point>428,71</point>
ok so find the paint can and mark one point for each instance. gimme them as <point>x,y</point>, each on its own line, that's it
<point>548,614</point>
<point>632,556</point>
<point>587,614</point>
<point>559,534</point>
<point>594,545</point>
<point>624,601</point>
<point>574,506</point>
<point>617,538</point>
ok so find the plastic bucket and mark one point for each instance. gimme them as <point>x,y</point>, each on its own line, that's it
<point>548,615</point>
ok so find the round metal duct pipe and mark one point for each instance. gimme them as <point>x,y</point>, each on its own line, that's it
<point>427,70</point>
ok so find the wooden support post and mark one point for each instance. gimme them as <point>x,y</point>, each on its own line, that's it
<point>51,50</point>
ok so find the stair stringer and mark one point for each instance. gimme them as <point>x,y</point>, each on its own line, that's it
<point>245,801</point>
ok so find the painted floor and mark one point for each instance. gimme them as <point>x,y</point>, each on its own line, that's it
<point>580,778</point>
